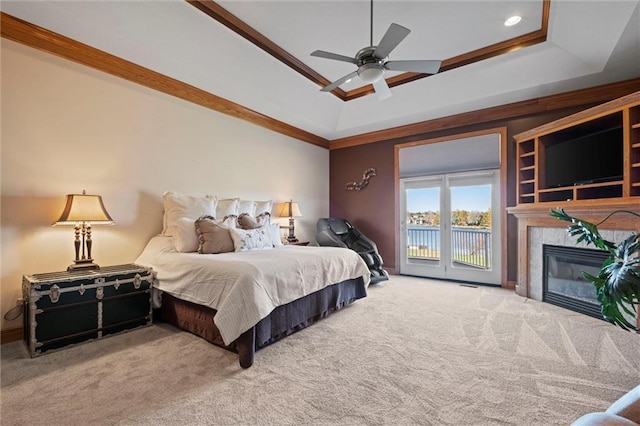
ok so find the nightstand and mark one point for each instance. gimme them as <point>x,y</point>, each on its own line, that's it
<point>300,243</point>
<point>63,308</point>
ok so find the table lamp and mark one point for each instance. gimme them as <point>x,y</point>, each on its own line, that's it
<point>290,209</point>
<point>82,211</point>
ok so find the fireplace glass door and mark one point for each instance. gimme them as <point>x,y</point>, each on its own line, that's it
<point>563,283</point>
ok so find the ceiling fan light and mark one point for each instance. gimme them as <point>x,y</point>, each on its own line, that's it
<point>370,73</point>
<point>512,20</point>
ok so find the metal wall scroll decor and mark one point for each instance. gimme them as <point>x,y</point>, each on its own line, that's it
<point>358,186</point>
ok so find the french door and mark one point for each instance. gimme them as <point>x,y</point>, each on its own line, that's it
<point>450,226</point>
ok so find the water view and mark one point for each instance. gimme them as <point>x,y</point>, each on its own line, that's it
<point>470,236</point>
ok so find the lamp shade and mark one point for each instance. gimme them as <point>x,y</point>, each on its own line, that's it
<point>84,208</point>
<point>289,209</point>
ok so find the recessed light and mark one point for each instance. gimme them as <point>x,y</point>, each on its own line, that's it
<point>512,20</point>
<point>348,81</point>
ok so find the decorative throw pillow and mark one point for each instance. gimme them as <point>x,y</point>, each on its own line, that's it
<point>246,221</point>
<point>178,206</point>
<point>214,237</point>
<point>251,239</point>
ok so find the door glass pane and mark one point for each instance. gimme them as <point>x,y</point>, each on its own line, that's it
<point>471,226</point>
<point>423,223</point>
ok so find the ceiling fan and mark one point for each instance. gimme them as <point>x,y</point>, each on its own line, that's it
<point>372,61</point>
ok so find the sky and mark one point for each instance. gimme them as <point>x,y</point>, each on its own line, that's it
<point>470,198</point>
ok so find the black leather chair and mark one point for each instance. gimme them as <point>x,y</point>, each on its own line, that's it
<point>335,232</point>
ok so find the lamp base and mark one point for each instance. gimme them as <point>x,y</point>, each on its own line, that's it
<point>83,265</point>
<point>292,239</point>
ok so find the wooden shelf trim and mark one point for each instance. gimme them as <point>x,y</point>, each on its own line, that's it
<point>590,193</point>
<point>635,126</point>
<point>598,111</point>
<point>585,186</point>
<point>39,38</point>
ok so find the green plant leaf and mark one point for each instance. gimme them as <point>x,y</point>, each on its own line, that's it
<point>618,281</point>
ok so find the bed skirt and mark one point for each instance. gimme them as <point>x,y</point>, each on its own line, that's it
<point>281,322</point>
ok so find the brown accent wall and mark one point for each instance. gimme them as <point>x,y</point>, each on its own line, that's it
<point>373,209</point>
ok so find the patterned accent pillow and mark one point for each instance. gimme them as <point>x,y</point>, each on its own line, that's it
<point>246,221</point>
<point>214,237</point>
<point>251,239</point>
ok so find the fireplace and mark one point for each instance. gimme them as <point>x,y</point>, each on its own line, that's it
<point>563,282</point>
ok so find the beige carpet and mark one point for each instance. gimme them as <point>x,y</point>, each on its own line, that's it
<point>415,351</point>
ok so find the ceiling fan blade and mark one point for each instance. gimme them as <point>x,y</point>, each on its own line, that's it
<point>425,67</point>
<point>339,82</point>
<point>334,56</point>
<point>394,35</point>
<point>382,89</point>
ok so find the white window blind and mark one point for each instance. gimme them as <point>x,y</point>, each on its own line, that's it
<point>458,155</point>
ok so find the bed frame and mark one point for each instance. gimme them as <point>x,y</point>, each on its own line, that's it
<point>281,322</point>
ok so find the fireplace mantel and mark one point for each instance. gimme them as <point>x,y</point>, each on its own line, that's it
<point>539,214</point>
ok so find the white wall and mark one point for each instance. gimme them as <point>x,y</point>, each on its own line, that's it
<point>66,128</point>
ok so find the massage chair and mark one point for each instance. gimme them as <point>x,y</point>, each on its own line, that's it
<point>334,232</point>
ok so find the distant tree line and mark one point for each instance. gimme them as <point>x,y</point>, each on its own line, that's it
<point>458,218</point>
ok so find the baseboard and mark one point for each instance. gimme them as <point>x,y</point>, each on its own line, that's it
<point>392,271</point>
<point>10,335</point>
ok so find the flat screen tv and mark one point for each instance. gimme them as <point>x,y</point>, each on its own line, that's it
<point>590,158</point>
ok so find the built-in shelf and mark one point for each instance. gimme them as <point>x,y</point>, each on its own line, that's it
<point>536,147</point>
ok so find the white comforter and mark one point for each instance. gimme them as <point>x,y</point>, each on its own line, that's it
<point>245,287</point>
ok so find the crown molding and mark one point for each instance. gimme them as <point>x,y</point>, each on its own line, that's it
<point>48,41</point>
<point>226,18</point>
<point>576,98</point>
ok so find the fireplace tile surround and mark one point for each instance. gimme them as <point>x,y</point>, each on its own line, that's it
<point>536,227</point>
<point>539,236</point>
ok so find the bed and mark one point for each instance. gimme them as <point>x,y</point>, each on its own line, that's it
<point>244,301</point>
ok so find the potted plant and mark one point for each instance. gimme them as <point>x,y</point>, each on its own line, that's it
<point>618,282</point>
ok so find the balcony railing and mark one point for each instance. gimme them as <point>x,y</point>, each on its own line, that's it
<point>469,246</point>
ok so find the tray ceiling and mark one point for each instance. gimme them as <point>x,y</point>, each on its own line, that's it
<point>588,43</point>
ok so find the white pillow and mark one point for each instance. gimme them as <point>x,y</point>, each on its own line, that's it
<point>274,233</point>
<point>178,206</point>
<point>263,207</point>
<point>247,206</point>
<point>185,237</point>
<point>251,239</point>
<point>228,207</point>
